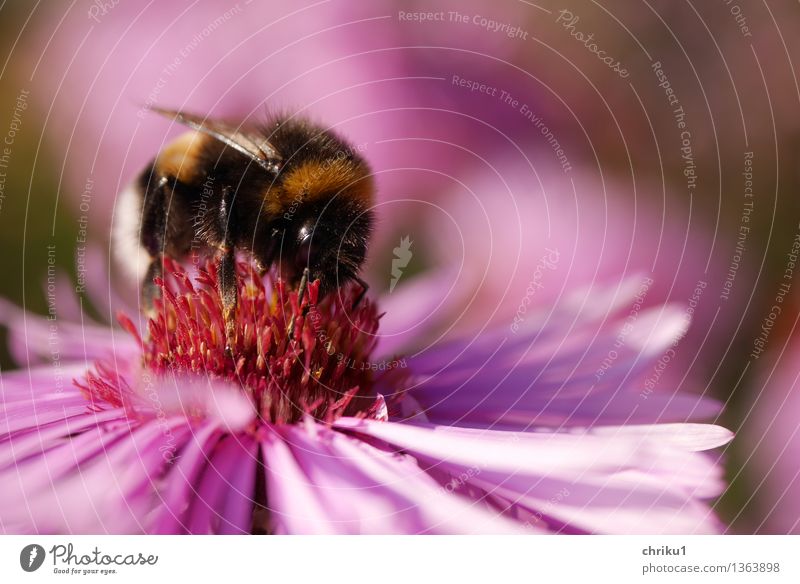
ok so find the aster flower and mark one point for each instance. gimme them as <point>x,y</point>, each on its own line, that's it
<point>308,432</point>
<point>544,233</point>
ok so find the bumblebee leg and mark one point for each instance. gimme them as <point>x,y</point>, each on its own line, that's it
<point>360,297</point>
<point>154,233</point>
<point>265,259</point>
<point>226,274</point>
<point>150,290</point>
<point>301,291</point>
<point>226,271</point>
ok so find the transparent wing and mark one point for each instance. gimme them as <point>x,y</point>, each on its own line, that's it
<point>250,144</point>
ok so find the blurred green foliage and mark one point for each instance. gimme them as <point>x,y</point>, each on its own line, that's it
<point>30,217</point>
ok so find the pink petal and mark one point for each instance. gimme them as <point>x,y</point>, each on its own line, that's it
<point>30,338</point>
<point>18,447</point>
<point>414,308</point>
<point>689,437</point>
<point>555,381</point>
<point>597,483</point>
<point>331,483</point>
<point>224,501</point>
<point>181,480</point>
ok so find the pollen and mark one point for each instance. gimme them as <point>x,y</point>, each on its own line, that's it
<point>319,366</point>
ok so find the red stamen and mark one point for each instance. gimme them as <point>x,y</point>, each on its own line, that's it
<point>322,371</point>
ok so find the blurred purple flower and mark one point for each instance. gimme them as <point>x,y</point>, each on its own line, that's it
<point>495,433</point>
<point>342,62</point>
<point>545,234</point>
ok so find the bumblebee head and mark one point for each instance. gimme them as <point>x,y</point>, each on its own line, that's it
<point>326,221</point>
<point>330,239</point>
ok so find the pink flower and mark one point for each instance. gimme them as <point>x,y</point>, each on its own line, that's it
<point>309,432</point>
<point>542,234</point>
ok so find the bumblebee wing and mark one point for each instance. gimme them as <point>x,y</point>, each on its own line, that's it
<point>254,147</point>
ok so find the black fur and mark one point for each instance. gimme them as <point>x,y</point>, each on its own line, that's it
<point>181,217</point>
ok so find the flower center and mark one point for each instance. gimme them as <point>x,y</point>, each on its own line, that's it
<point>293,357</point>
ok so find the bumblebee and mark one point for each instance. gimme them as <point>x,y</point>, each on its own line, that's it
<point>288,192</point>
